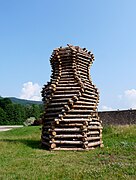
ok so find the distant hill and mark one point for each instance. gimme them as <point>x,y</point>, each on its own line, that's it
<point>24,101</point>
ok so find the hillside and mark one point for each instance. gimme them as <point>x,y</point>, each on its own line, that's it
<point>24,101</point>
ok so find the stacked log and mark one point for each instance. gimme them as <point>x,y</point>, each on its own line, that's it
<point>70,99</point>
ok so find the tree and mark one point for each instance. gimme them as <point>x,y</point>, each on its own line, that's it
<point>15,113</point>
<point>10,113</point>
<point>3,117</point>
<point>4,102</point>
<point>33,111</point>
<point>19,113</point>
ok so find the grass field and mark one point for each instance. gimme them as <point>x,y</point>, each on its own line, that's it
<point>21,157</point>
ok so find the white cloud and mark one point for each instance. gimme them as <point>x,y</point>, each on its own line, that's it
<point>106,108</point>
<point>126,100</point>
<point>130,97</point>
<point>31,91</point>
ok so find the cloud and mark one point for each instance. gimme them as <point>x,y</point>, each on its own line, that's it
<point>106,108</point>
<point>126,100</point>
<point>31,91</point>
<point>130,97</point>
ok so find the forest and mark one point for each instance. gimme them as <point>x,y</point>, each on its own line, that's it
<point>16,114</point>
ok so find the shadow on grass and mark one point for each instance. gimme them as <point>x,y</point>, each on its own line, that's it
<point>35,144</point>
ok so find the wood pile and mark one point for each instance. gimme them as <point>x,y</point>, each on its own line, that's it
<point>70,99</point>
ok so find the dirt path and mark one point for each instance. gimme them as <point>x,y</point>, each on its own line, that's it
<point>7,128</point>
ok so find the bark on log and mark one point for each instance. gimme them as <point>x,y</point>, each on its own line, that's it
<point>75,120</point>
<point>92,144</point>
<point>67,142</point>
<point>93,133</point>
<point>69,136</point>
<point>93,138</point>
<point>66,130</point>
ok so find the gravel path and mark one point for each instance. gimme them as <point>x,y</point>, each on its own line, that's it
<point>7,128</point>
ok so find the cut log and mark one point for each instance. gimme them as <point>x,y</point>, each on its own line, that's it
<point>87,99</point>
<point>69,136</point>
<point>82,111</point>
<point>72,116</point>
<point>53,145</point>
<point>66,91</point>
<point>60,99</point>
<point>89,96</point>
<point>85,103</point>
<point>71,125</point>
<point>92,144</point>
<point>83,107</point>
<point>94,127</point>
<point>93,138</point>
<point>93,133</point>
<point>66,130</point>
<point>75,120</point>
<point>95,123</point>
<point>67,142</point>
<point>68,88</point>
<point>63,95</point>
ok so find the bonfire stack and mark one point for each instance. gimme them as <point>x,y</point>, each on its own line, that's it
<point>70,99</point>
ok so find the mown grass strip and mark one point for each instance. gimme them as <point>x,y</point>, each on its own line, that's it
<point>21,157</point>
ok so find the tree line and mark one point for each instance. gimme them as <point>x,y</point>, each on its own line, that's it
<point>15,114</point>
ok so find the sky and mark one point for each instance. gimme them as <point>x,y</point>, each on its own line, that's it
<point>31,29</point>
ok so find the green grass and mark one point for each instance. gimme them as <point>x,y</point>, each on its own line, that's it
<point>21,157</point>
